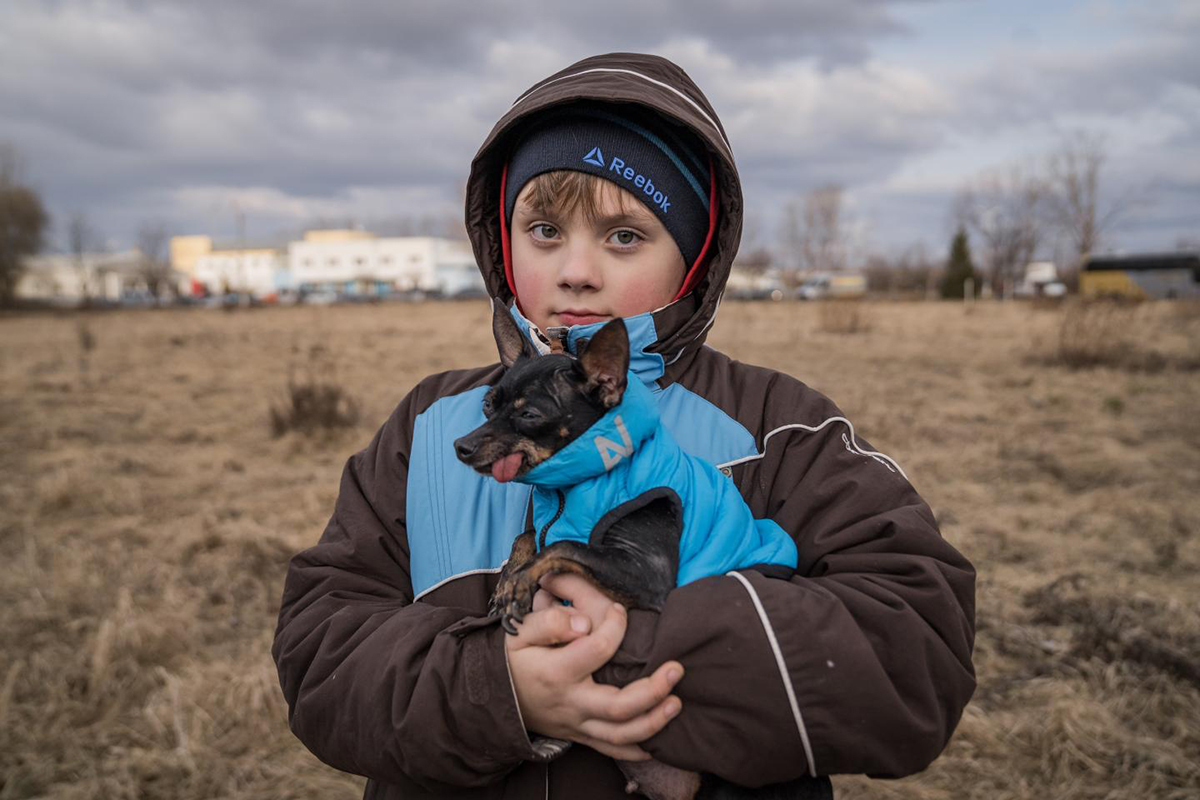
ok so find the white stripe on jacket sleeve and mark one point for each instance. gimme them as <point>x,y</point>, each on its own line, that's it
<point>783,673</point>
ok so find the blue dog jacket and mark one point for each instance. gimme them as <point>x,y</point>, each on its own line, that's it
<point>625,455</point>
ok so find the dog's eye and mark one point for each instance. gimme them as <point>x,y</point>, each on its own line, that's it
<point>529,415</point>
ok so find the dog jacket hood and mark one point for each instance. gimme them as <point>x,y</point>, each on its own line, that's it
<point>628,453</point>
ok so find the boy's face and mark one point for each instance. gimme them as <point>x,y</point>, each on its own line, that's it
<point>570,270</point>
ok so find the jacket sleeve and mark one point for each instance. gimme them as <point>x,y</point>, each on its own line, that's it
<point>376,684</point>
<point>859,663</point>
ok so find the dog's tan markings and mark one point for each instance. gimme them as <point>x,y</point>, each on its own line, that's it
<point>533,453</point>
<point>523,550</point>
<point>563,432</point>
<point>519,402</point>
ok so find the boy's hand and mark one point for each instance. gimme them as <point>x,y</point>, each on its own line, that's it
<point>582,596</point>
<point>554,683</point>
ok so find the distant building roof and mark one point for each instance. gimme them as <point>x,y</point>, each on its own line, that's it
<point>337,235</point>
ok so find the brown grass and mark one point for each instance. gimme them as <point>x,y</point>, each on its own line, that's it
<point>842,316</point>
<point>1122,335</point>
<point>146,517</point>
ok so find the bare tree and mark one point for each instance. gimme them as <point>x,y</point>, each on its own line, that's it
<point>911,272</point>
<point>812,233</point>
<point>824,247</point>
<point>755,261</point>
<point>23,220</point>
<point>81,239</point>
<point>1005,208</point>
<point>791,237</point>
<point>1075,202</point>
<point>155,270</point>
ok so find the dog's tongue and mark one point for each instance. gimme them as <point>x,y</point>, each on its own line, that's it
<point>505,469</point>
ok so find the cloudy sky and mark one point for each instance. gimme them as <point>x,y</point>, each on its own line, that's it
<point>292,111</point>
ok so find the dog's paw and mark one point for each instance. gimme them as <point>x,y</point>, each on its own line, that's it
<point>513,599</point>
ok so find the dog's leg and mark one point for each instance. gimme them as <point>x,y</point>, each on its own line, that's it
<point>635,560</point>
<point>524,550</point>
<point>513,598</point>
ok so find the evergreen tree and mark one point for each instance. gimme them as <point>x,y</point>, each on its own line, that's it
<point>959,267</point>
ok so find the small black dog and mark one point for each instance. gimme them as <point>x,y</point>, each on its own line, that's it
<point>539,406</point>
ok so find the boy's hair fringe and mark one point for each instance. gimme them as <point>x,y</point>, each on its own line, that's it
<point>565,191</point>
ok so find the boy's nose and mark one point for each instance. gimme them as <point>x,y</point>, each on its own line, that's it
<point>580,270</point>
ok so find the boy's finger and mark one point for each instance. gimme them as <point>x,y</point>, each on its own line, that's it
<point>550,626</point>
<point>619,705</point>
<point>627,752</point>
<point>587,654</point>
<point>636,730</point>
<point>566,584</point>
<point>543,600</point>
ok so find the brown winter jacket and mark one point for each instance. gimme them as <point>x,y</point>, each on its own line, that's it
<point>859,663</point>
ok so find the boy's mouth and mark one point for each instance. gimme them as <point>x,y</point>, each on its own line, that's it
<point>506,468</point>
<point>580,316</point>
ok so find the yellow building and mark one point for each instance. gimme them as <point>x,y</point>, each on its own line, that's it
<point>221,269</point>
<point>337,235</point>
<point>1153,276</point>
<point>186,249</point>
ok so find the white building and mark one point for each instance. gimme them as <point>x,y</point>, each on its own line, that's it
<point>66,279</point>
<point>1041,278</point>
<point>257,271</point>
<point>357,262</point>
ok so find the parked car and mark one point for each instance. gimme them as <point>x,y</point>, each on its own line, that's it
<point>321,297</point>
<point>832,284</point>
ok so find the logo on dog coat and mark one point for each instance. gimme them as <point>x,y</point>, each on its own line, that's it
<point>611,452</point>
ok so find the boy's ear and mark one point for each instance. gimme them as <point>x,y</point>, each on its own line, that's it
<point>512,342</point>
<point>605,360</point>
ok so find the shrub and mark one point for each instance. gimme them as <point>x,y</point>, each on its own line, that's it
<point>1095,334</point>
<point>314,404</point>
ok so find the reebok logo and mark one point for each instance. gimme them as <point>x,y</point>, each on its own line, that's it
<point>612,452</point>
<point>639,181</point>
<point>594,157</point>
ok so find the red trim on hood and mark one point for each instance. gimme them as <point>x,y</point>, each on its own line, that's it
<point>505,245</point>
<point>697,273</point>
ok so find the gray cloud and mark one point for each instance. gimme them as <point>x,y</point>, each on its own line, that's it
<point>179,110</point>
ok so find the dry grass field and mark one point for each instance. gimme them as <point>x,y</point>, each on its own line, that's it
<point>147,512</point>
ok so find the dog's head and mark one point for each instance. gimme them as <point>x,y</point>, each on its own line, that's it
<point>542,403</point>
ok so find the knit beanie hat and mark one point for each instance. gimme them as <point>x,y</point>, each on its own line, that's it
<point>663,165</point>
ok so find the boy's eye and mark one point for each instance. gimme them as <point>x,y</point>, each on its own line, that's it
<point>625,238</point>
<point>543,231</point>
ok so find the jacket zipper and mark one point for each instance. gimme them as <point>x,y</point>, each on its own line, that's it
<point>562,502</point>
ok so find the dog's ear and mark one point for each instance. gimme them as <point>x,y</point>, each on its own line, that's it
<point>605,360</point>
<point>512,342</point>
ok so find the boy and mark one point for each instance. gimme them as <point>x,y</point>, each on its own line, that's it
<point>609,189</point>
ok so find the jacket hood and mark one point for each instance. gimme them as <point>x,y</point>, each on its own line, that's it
<point>650,81</point>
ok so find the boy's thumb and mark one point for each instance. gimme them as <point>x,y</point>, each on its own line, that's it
<point>552,626</point>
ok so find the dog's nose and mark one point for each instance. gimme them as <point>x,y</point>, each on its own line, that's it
<point>465,448</point>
